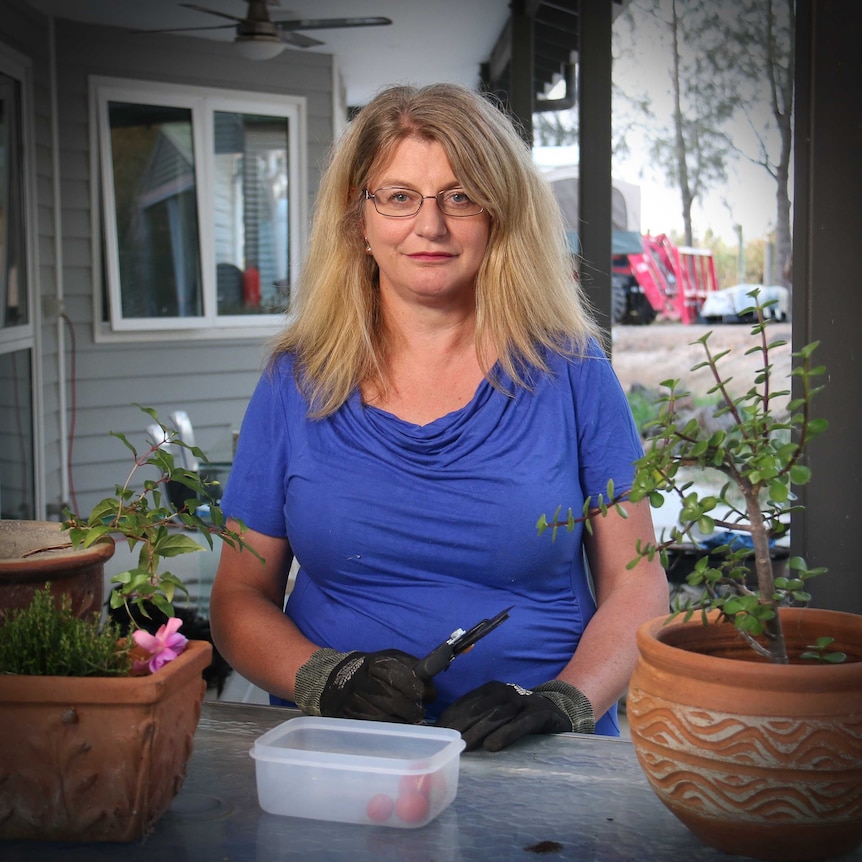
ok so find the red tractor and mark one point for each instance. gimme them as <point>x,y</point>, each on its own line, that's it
<point>663,280</point>
<point>651,278</point>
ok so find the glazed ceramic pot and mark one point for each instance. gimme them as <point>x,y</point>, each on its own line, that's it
<point>96,758</point>
<point>756,759</point>
<point>33,553</point>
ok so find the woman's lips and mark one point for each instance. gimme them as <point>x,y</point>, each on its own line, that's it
<point>430,256</point>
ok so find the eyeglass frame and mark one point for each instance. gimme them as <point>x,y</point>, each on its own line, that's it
<point>370,196</point>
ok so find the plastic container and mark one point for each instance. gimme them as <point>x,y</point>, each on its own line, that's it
<point>371,772</point>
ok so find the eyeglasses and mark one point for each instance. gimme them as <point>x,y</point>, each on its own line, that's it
<point>404,203</point>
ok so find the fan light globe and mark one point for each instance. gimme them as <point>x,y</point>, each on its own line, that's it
<point>260,47</point>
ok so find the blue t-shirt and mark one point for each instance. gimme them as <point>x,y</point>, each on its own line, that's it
<point>404,533</point>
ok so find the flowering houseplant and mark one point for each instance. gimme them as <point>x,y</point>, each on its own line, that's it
<point>147,518</point>
<point>98,728</point>
<point>144,516</point>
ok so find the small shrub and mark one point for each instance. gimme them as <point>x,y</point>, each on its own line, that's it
<point>45,639</point>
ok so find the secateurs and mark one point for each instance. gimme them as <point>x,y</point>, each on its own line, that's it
<point>458,642</point>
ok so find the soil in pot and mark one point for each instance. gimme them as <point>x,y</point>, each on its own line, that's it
<point>33,553</point>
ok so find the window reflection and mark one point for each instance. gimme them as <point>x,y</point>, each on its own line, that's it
<point>17,489</point>
<point>156,210</point>
<point>13,260</point>
<point>251,213</point>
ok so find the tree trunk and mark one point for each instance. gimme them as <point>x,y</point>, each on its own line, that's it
<point>681,154</point>
<point>782,109</point>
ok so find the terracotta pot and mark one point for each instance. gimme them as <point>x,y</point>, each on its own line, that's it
<point>96,758</point>
<point>757,759</point>
<point>35,552</point>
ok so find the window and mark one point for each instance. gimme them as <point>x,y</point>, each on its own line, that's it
<point>13,258</point>
<point>17,338</point>
<point>202,206</point>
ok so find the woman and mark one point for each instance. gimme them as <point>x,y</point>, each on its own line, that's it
<point>439,385</point>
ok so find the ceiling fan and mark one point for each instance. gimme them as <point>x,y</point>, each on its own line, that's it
<point>260,38</point>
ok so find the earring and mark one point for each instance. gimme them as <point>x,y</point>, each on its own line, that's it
<point>367,246</point>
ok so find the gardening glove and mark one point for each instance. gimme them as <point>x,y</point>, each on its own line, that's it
<point>497,714</point>
<point>379,686</point>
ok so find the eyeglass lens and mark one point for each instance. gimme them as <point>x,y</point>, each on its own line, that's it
<point>398,202</point>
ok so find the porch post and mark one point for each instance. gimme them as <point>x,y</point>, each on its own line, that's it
<point>825,278</point>
<point>594,119</point>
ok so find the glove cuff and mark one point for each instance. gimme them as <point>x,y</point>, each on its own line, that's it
<point>572,702</point>
<point>312,677</point>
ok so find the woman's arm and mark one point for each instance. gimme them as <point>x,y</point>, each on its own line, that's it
<point>606,654</point>
<point>496,714</point>
<point>246,614</point>
<point>265,646</point>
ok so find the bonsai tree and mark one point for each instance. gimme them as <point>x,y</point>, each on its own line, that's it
<point>756,448</point>
<point>49,640</point>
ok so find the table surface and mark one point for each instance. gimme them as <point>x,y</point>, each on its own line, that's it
<point>570,796</point>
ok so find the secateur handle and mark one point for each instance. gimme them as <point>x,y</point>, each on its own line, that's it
<point>458,642</point>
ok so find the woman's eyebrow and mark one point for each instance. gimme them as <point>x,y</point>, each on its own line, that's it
<point>401,184</point>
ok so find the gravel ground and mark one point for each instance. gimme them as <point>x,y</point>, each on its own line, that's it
<point>647,355</point>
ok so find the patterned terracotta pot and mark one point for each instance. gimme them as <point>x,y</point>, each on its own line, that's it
<point>756,759</point>
<point>96,758</point>
<point>33,553</point>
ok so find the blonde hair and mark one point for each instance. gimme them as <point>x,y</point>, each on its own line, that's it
<point>527,296</point>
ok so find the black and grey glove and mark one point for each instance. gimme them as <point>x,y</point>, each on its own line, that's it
<point>380,686</point>
<point>496,714</point>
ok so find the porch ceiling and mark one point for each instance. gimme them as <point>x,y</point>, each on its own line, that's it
<point>439,40</point>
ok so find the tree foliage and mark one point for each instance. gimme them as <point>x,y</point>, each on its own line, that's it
<point>760,40</point>
<point>691,143</point>
<point>729,68</point>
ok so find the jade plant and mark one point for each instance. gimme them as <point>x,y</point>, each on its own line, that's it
<point>144,514</point>
<point>755,446</point>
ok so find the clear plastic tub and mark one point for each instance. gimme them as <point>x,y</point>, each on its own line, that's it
<point>371,772</point>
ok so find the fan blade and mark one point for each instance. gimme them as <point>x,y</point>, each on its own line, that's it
<point>331,23</point>
<point>298,40</point>
<point>210,11</point>
<point>187,29</point>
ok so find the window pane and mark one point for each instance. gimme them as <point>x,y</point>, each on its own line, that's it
<point>251,213</point>
<point>17,490</point>
<point>156,210</point>
<point>13,259</point>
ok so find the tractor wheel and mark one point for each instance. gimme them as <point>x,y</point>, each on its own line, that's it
<point>619,303</point>
<point>641,313</point>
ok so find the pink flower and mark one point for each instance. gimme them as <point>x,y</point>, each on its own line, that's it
<point>164,646</point>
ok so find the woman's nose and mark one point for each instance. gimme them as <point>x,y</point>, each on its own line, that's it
<point>429,220</point>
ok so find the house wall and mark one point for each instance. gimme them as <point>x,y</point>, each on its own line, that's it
<point>211,380</point>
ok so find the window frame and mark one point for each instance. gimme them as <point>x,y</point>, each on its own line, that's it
<point>27,337</point>
<point>202,103</point>
<point>22,336</point>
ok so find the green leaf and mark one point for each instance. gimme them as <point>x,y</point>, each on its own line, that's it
<point>104,510</point>
<point>656,499</point>
<point>125,442</point>
<point>95,534</point>
<point>817,426</point>
<point>174,544</point>
<point>706,525</point>
<point>778,491</point>
<point>800,474</point>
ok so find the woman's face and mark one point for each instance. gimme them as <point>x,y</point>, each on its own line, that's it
<point>429,257</point>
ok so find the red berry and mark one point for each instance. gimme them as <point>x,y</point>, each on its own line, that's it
<point>380,807</point>
<point>412,806</point>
